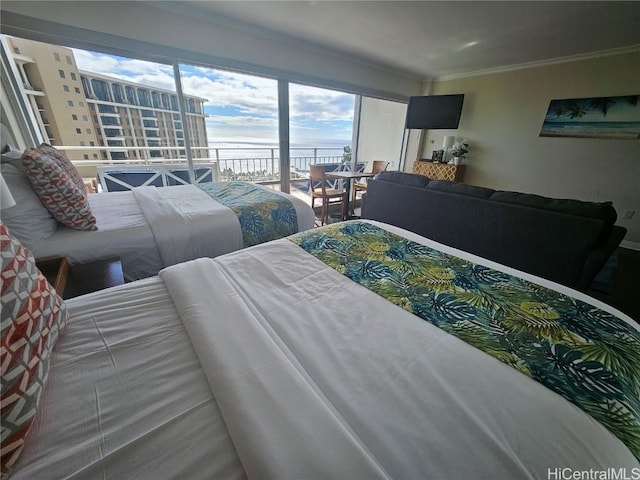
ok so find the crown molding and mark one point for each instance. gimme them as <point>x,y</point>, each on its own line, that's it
<point>542,63</point>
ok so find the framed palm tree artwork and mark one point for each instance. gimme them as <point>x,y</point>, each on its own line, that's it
<point>598,117</point>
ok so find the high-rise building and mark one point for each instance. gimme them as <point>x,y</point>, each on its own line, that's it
<point>73,108</point>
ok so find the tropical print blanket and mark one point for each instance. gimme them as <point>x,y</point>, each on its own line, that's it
<point>263,215</point>
<point>579,351</point>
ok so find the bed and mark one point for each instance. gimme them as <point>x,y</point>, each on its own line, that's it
<point>354,350</point>
<point>147,228</point>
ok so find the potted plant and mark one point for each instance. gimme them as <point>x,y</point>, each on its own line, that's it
<point>459,150</point>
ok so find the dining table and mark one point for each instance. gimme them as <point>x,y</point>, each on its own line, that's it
<point>348,176</point>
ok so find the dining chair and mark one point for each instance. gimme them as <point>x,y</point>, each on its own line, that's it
<point>318,188</point>
<point>378,166</point>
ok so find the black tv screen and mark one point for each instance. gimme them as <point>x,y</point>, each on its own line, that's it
<point>434,111</point>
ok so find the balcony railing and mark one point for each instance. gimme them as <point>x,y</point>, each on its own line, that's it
<point>260,165</point>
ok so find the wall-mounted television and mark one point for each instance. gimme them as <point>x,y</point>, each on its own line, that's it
<point>434,111</point>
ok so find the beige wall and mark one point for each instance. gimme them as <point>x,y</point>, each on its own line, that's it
<point>381,129</point>
<point>502,116</point>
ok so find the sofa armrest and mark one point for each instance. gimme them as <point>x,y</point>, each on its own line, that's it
<point>599,256</point>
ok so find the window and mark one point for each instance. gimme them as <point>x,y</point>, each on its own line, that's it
<point>70,103</point>
<point>223,108</point>
<point>101,90</point>
<point>110,120</point>
<point>118,93</point>
<point>131,95</point>
<point>82,144</point>
<point>65,88</point>
<point>56,56</point>
<point>321,118</point>
<point>74,117</point>
<point>78,130</point>
<point>233,108</point>
<point>92,144</point>
<point>86,157</point>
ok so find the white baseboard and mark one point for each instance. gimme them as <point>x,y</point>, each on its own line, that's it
<point>630,245</point>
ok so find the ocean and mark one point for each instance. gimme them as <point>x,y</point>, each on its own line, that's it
<point>591,129</point>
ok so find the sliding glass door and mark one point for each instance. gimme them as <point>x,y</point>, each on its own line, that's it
<point>106,110</point>
<point>241,119</point>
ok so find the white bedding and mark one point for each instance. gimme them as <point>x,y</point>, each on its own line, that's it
<point>126,397</point>
<point>150,228</point>
<point>313,376</point>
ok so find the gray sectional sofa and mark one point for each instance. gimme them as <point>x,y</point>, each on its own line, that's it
<point>567,241</point>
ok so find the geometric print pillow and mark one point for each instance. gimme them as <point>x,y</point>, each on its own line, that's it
<point>63,161</point>
<point>33,315</point>
<point>58,191</point>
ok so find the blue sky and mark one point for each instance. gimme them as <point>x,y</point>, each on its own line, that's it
<point>241,108</point>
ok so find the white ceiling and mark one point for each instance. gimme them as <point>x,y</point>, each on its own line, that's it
<point>437,39</point>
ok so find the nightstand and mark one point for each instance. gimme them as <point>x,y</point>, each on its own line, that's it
<point>56,271</point>
<point>72,281</point>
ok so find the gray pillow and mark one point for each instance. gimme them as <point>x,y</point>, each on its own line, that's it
<point>28,220</point>
<point>13,157</point>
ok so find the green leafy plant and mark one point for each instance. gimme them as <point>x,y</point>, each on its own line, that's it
<point>460,149</point>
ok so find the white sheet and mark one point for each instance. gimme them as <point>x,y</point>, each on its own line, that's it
<point>175,215</point>
<point>187,223</point>
<point>126,397</point>
<point>122,228</point>
<point>317,376</point>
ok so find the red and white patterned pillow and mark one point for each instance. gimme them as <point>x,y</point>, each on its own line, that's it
<point>64,163</point>
<point>57,190</point>
<point>32,316</point>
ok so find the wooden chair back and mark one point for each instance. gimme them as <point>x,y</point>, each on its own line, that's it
<point>379,166</point>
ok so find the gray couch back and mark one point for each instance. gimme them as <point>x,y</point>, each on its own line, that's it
<point>512,229</point>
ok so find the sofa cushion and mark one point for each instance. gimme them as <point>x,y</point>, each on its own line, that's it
<point>403,178</point>
<point>460,188</point>
<point>599,210</point>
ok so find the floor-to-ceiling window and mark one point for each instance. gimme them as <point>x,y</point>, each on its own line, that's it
<point>105,109</point>
<point>320,130</point>
<point>241,120</point>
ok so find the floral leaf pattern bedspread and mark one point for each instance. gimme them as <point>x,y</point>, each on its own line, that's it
<point>263,215</point>
<point>587,355</point>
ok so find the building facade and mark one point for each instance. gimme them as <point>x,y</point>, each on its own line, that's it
<point>116,120</point>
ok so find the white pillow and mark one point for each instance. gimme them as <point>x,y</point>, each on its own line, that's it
<point>28,220</point>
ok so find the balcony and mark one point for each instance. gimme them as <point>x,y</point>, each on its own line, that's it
<point>259,165</point>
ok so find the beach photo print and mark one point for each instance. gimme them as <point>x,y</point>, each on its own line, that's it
<point>598,117</point>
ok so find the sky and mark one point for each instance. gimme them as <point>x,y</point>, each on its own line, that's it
<point>241,108</point>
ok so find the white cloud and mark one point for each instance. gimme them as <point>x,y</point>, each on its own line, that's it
<point>252,101</point>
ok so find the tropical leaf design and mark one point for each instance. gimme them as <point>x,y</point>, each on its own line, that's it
<point>585,354</point>
<point>263,215</point>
